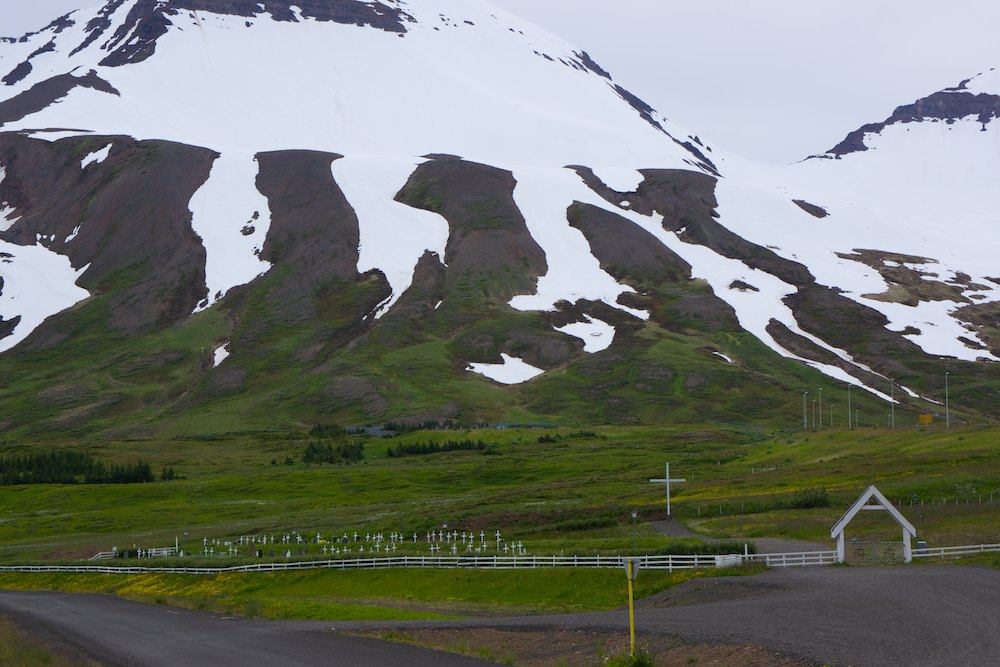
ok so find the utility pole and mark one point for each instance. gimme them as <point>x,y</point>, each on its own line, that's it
<point>947,407</point>
<point>805,418</point>
<point>892,403</point>
<point>821,408</point>
<point>849,427</point>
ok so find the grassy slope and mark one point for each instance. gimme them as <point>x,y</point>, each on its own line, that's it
<point>570,496</point>
<point>373,595</point>
<point>573,495</point>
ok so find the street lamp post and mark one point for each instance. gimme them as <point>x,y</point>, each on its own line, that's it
<point>814,414</point>
<point>831,415</point>
<point>634,514</point>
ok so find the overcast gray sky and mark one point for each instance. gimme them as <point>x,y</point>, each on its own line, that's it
<point>774,80</point>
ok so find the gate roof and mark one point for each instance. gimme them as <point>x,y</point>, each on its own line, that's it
<point>863,503</point>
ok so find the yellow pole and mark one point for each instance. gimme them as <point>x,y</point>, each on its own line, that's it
<point>631,613</point>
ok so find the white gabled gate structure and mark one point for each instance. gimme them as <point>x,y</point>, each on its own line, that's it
<point>872,499</point>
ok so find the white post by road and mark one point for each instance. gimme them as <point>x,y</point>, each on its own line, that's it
<point>666,480</point>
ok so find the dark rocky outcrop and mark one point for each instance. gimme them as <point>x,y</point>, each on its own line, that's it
<point>625,250</point>
<point>812,209</point>
<point>851,326</point>
<point>487,233</point>
<point>133,234</point>
<point>314,235</point>
<point>686,200</point>
<point>148,20</point>
<point>947,105</point>
<point>44,93</point>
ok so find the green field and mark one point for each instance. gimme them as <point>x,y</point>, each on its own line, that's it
<point>557,491</point>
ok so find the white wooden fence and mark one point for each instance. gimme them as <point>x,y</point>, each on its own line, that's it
<point>795,559</point>
<point>955,552</point>
<point>669,563</point>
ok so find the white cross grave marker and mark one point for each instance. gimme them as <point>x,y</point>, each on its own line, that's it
<point>666,480</point>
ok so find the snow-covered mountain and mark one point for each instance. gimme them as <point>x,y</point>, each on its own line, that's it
<point>168,157</point>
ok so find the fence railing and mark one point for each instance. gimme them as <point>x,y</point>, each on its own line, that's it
<point>955,552</point>
<point>103,555</point>
<point>668,562</point>
<point>796,559</point>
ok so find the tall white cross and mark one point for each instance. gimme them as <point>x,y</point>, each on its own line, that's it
<point>666,480</point>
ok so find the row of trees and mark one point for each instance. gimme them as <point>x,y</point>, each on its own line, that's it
<point>346,453</point>
<point>69,467</point>
<point>422,448</point>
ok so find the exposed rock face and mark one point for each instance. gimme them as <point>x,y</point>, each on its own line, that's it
<point>47,92</point>
<point>487,233</point>
<point>687,202</point>
<point>947,105</point>
<point>314,231</point>
<point>149,20</point>
<point>116,217</point>
<point>625,250</point>
<point>812,209</point>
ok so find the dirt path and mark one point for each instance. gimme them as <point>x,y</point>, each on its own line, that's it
<point>765,545</point>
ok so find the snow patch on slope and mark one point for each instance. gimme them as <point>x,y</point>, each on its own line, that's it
<point>7,217</point>
<point>511,371</point>
<point>232,219</point>
<point>452,90</point>
<point>37,283</point>
<point>595,334</point>
<point>97,157</point>
<point>221,354</point>
<point>754,309</point>
<point>923,189</point>
<point>543,195</point>
<point>393,236</point>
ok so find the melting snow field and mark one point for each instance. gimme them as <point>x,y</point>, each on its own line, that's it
<point>97,157</point>
<point>903,182</point>
<point>37,283</point>
<point>232,219</point>
<point>595,334</point>
<point>543,195</point>
<point>7,218</point>
<point>221,354</point>
<point>511,371</point>
<point>393,235</point>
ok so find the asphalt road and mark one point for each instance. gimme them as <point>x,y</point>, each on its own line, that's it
<point>121,632</point>
<point>926,616</point>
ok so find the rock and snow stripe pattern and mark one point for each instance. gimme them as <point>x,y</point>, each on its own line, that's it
<point>232,218</point>
<point>7,213</point>
<point>393,236</point>
<point>543,195</point>
<point>37,283</point>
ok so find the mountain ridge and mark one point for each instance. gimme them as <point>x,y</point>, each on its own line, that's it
<point>384,227</point>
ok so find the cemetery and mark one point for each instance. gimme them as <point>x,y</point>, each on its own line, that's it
<point>550,512</point>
